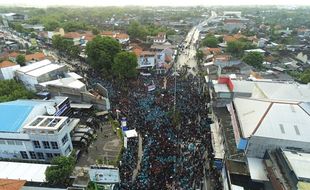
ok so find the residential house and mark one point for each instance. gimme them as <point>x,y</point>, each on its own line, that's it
<point>7,70</point>
<point>122,38</point>
<point>160,38</point>
<point>145,58</point>
<point>38,56</point>
<point>302,57</point>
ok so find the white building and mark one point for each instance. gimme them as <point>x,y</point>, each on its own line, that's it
<point>14,17</point>
<point>35,129</point>
<point>160,38</point>
<point>266,125</point>
<point>39,72</point>
<point>7,70</point>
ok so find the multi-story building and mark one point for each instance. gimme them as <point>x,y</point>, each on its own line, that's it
<point>36,130</point>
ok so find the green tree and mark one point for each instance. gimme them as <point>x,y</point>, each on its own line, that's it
<point>57,41</point>
<point>33,35</point>
<point>101,52</point>
<point>210,41</point>
<point>51,25</point>
<point>305,76</point>
<point>60,170</point>
<point>11,90</point>
<point>199,56</point>
<point>20,59</point>
<point>254,58</point>
<point>136,30</point>
<point>95,31</point>
<point>125,65</point>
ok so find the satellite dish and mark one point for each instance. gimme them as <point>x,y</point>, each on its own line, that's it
<point>50,110</point>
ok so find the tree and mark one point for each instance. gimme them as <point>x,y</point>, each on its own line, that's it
<point>33,35</point>
<point>254,58</point>
<point>210,41</point>
<point>95,31</point>
<point>135,30</point>
<point>20,59</point>
<point>57,41</point>
<point>51,25</point>
<point>101,52</point>
<point>60,170</point>
<point>199,56</point>
<point>305,76</point>
<point>11,90</point>
<point>125,65</point>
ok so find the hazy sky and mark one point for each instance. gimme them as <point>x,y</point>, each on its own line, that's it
<point>44,3</point>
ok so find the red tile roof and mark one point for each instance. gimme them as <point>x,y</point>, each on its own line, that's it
<point>4,64</point>
<point>122,36</point>
<point>13,54</point>
<point>138,51</point>
<point>10,184</point>
<point>36,56</point>
<point>72,35</point>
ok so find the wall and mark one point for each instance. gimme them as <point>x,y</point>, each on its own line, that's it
<point>8,72</point>
<point>257,146</point>
<point>146,61</point>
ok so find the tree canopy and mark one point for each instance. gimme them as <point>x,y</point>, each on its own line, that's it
<point>254,59</point>
<point>210,41</point>
<point>65,46</point>
<point>101,52</point>
<point>305,76</point>
<point>125,65</point>
<point>20,59</point>
<point>11,90</point>
<point>60,170</point>
<point>237,47</point>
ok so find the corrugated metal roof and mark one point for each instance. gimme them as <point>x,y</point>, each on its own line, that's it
<point>257,169</point>
<point>279,120</point>
<point>23,171</point>
<point>300,163</point>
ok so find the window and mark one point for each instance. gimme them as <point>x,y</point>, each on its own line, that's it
<point>46,144</point>
<point>24,154</point>
<point>18,142</point>
<point>32,155</point>
<point>2,142</point>
<point>64,139</point>
<point>49,155</point>
<point>36,144</point>
<point>68,150</point>
<point>40,155</point>
<point>56,154</point>
<point>10,142</point>
<point>54,145</point>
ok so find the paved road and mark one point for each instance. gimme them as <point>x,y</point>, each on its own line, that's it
<point>187,56</point>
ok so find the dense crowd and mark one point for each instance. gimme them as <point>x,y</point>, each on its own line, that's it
<point>176,144</point>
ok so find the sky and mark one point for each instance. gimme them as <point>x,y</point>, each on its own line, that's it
<point>44,3</point>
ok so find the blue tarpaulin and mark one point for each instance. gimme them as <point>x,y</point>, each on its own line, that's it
<point>242,144</point>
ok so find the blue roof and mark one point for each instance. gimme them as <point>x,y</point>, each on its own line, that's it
<point>13,114</point>
<point>242,144</point>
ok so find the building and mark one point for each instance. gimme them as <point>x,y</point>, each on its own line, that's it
<point>7,70</point>
<point>14,17</point>
<point>145,58</point>
<point>36,130</point>
<point>39,72</point>
<point>288,169</point>
<point>233,24</point>
<point>160,38</point>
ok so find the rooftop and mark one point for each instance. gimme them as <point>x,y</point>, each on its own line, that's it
<point>23,171</point>
<point>104,175</point>
<point>39,68</point>
<point>5,64</point>
<point>35,56</point>
<point>11,184</point>
<point>14,114</point>
<point>47,122</point>
<point>279,120</point>
<point>299,163</point>
<point>69,82</point>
